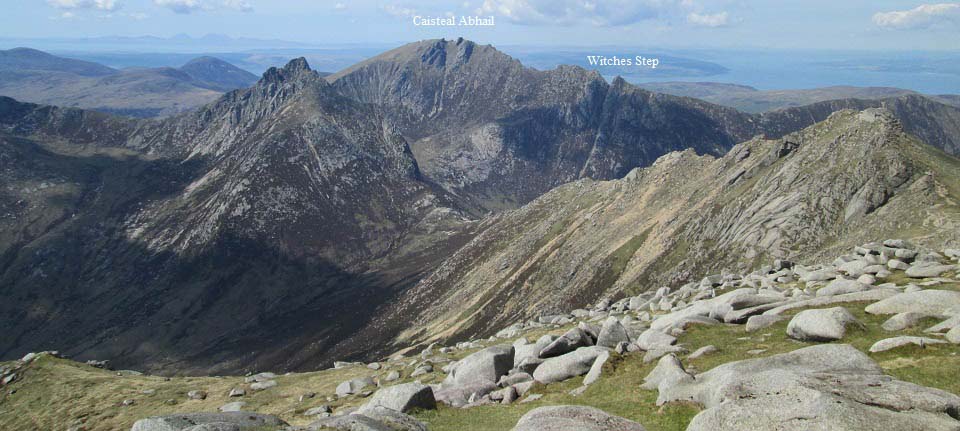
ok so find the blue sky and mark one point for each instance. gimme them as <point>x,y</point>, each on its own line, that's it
<point>784,24</point>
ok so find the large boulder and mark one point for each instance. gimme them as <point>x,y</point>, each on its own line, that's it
<point>458,395</point>
<point>756,323</point>
<point>925,270</point>
<point>841,286</point>
<point>652,339</point>
<point>530,350</point>
<point>901,321</point>
<point>568,342</point>
<point>180,422</point>
<point>349,422</point>
<point>822,387</point>
<point>569,418</point>
<point>896,342</point>
<point>403,398</point>
<point>216,426</point>
<point>353,386</point>
<point>612,333</point>
<point>825,324</point>
<point>575,363</point>
<point>393,419</point>
<point>485,366</point>
<point>931,301</point>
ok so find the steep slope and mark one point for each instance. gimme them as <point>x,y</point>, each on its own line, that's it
<point>261,230</point>
<point>499,134</point>
<point>38,77</point>
<point>854,177</point>
<point>217,74</point>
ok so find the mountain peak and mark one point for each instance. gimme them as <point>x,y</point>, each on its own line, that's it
<point>297,65</point>
<point>295,69</point>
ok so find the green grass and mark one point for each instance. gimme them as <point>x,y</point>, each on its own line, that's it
<point>57,392</point>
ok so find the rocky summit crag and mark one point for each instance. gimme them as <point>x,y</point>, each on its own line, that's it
<point>433,193</point>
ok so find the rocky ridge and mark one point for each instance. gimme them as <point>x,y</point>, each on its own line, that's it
<point>805,196</point>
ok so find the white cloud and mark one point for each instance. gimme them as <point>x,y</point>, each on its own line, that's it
<point>66,16</point>
<point>107,5</point>
<point>180,6</point>
<point>721,19</point>
<point>240,5</point>
<point>596,12</point>
<point>190,6</point>
<point>923,16</point>
<point>339,7</point>
<point>399,11</point>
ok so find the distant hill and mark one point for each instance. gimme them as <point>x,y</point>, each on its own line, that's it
<point>217,74</point>
<point>38,77</point>
<point>752,100</point>
<point>22,59</point>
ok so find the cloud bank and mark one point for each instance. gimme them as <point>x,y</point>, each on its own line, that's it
<point>923,16</point>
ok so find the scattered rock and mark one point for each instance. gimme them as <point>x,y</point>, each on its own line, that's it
<point>259,386</point>
<point>235,406</point>
<point>403,398</point>
<point>484,366</point>
<point>612,333</point>
<point>841,286</point>
<point>569,418</point>
<point>895,342</point>
<point>568,342</point>
<point>929,301</point>
<point>820,324</point>
<point>597,368</point>
<point>197,395</point>
<point>823,387</point>
<point>703,351</point>
<point>560,368</point>
<point>179,422</point>
<point>755,323</point>
<point>901,321</point>
<point>353,386</point>
<point>928,270</point>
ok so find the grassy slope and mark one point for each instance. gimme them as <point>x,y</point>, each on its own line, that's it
<point>57,392</point>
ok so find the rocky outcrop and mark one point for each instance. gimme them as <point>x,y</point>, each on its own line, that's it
<point>823,387</point>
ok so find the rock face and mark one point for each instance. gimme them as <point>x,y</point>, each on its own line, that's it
<point>821,324</point>
<point>243,420</point>
<point>832,386</point>
<point>581,418</point>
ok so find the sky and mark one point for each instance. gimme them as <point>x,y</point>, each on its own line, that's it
<point>778,24</point>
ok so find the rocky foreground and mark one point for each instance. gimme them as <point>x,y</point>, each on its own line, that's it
<point>869,341</point>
